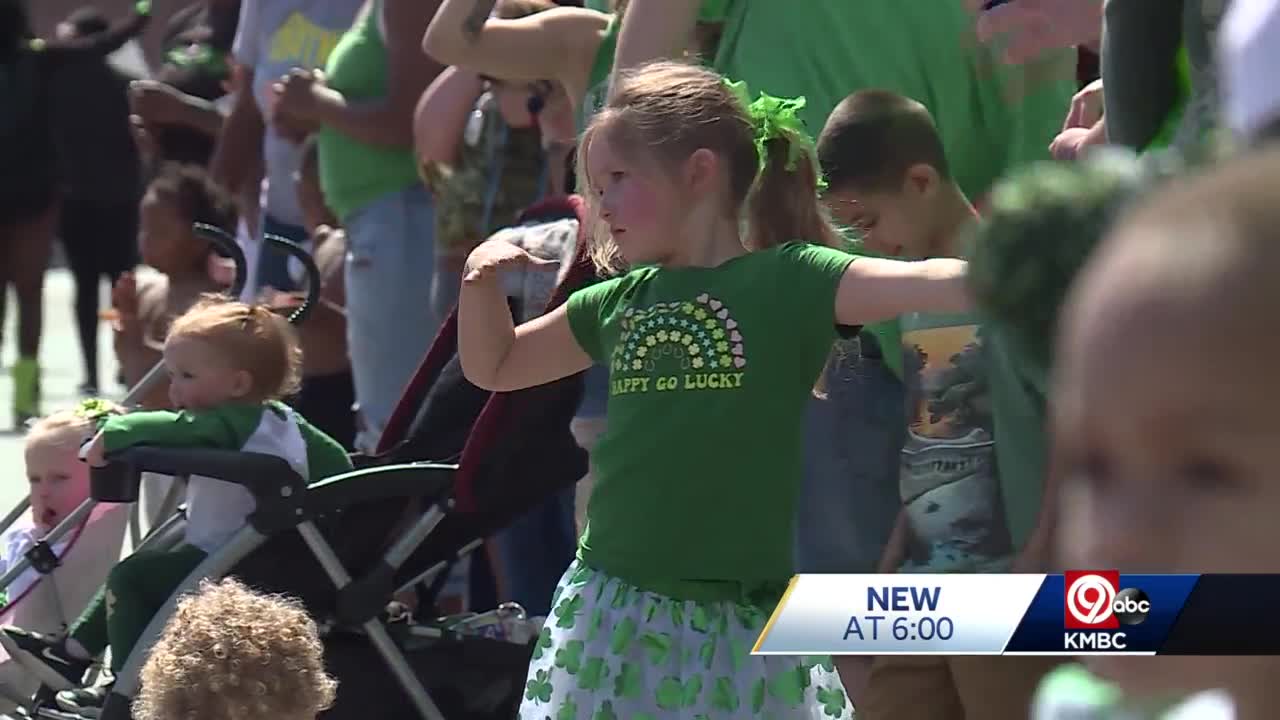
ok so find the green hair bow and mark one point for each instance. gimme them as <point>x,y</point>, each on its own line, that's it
<point>95,409</point>
<point>774,118</point>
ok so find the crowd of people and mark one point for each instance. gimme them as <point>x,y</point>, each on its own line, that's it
<point>869,279</point>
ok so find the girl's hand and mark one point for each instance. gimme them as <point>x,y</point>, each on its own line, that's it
<point>494,255</point>
<point>96,454</point>
<point>1086,107</point>
<point>1071,143</point>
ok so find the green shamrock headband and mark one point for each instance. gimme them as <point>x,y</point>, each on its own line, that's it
<point>777,118</point>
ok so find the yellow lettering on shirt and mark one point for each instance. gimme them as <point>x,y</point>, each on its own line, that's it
<point>302,43</point>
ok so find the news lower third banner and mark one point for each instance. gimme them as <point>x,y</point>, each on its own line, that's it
<point>1085,612</point>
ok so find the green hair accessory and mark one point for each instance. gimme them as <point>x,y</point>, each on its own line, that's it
<point>143,7</point>
<point>95,409</point>
<point>777,118</point>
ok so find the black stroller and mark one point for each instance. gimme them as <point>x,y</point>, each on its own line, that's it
<point>456,464</point>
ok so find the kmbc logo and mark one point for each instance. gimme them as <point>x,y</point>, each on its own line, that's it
<point>1094,601</point>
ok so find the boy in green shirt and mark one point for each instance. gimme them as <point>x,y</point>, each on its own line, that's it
<point>888,178</point>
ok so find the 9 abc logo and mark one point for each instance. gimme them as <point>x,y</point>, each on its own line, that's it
<point>1094,601</point>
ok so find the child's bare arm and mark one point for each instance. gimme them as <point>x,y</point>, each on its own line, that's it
<point>874,290</point>
<point>496,355</point>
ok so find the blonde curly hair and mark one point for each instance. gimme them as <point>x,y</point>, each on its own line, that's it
<point>229,653</point>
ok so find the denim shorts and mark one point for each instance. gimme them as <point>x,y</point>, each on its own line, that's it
<point>391,320</point>
<point>849,498</point>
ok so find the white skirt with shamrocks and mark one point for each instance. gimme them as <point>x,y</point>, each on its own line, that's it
<point>612,651</point>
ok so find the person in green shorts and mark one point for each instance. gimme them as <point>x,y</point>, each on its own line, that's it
<point>965,478</point>
<point>713,341</point>
<point>228,364</point>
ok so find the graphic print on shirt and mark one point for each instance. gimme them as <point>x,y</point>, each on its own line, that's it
<point>300,41</point>
<point>684,345</point>
<point>949,481</point>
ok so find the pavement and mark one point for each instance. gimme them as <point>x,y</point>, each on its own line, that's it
<point>61,374</point>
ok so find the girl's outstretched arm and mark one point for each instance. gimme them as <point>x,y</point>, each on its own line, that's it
<point>496,355</point>
<point>874,290</point>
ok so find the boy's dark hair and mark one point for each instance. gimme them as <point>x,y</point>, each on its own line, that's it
<point>199,198</point>
<point>873,137</point>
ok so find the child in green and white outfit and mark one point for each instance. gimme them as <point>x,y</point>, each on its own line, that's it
<point>713,343</point>
<point>228,364</point>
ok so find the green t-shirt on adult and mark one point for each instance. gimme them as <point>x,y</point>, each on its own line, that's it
<point>710,373</point>
<point>991,117</point>
<point>354,173</point>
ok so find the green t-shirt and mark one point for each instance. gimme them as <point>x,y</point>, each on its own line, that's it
<point>354,173</point>
<point>992,117</point>
<point>710,372</point>
<point>598,81</point>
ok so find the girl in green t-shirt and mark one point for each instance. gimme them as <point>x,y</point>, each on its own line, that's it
<point>713,343</point>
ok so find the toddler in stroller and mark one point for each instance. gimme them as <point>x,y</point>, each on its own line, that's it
<point>345,545</point>
<point>59,483</point>
<point>227,362</point>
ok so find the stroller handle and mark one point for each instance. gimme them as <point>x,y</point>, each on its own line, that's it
<point>268,477</point>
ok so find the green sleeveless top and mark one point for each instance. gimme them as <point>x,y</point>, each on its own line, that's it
<point>354,173</point>
<point>1169,130</point>
<point>710,11</point>
<point>598,81</point>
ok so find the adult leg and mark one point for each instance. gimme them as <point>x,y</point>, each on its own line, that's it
<point>390,323</point>
<point>29,247</point>
<point>79,227</point>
